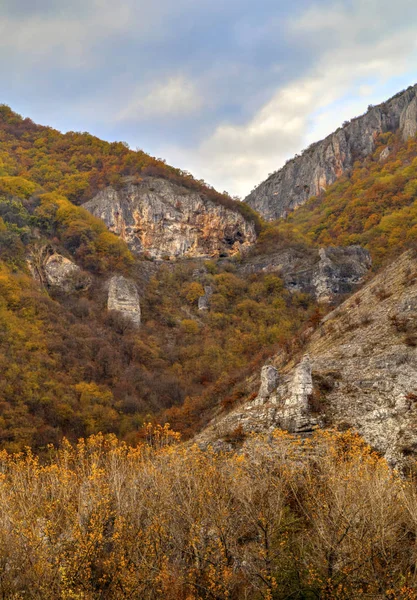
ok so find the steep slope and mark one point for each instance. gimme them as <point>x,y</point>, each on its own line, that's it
<point>374,205</point>
<point>359,370</point>
<point>160,219</point>
<point>322,163</point>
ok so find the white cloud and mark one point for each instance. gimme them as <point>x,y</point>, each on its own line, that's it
<point>360,49</point>
<point>177,96</point>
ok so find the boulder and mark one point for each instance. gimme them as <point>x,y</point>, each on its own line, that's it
<point>61,273</point>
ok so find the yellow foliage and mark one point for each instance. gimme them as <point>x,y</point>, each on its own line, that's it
<point>164,520</point>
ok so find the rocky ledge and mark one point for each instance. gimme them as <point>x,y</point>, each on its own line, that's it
<point>324,273</point>
<point>160,219</point>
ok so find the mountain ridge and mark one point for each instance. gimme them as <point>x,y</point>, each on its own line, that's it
<point>323,162</point>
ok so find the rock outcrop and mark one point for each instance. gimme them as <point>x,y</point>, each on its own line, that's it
<point>269,382</point>
<point>204,301</point>
<point>324,273</point>
<point>55,271</point>
<point>322,163</point>
<point>360,373</point>
<point>339,270</point>
<point>124,298</point>
<point>160,219</point>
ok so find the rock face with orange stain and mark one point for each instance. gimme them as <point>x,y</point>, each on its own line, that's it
<point>160,219</point>
<point>322,163</point>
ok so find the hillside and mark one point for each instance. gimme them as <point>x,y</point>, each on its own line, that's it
<point>78,165</point>
<point>113,328</point>
<point>283,355</point>
<point>357,370</point>
<point>310,173</point>
<point>96,339</point>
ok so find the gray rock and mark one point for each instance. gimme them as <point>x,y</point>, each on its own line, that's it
<point>124,298</point>
<point>204,301</point>
<point>322,163</point>
<point>324,273</point>
<point>161,219</point>
<point>339,270</point>
<point>301,387</point>
<point>269,382</point>
<point>408,120</point>
<point>384,154</point>
<point>60,271</point>
<point>53,270</point>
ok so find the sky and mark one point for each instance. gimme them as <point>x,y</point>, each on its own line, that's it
<point>225,89</point>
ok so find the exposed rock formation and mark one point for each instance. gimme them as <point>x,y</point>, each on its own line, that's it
<point>61,272</point>
<point>269,382</point>
<point>322,163</point>
<point>53,270</point>
<point>384,154</point>
<point>204,301</point>
<point>323,273</point>
<point>339,270</point>
<point>124,298</point>
<point>161,219</point>
<point>301,388</point>
<point>363,364</point>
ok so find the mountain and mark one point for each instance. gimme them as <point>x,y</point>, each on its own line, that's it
<point>310,173</point>
<point>131,292</point>
<point>283,354</point>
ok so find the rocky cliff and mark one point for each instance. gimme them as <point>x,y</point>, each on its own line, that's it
<point>324,273</point>
<point>359,370</point>
<point>160,219</point>
<point>322,163</point>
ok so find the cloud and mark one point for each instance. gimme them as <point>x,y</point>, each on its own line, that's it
<point>227,90</point>
<point>177,96</point>
<point>357,51</point>
<point>63,36</point>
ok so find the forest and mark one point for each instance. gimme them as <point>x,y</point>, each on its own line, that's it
<point>83,370</point>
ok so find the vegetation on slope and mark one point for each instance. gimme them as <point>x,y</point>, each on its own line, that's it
<point>77,165</point>
<point>162,521</point>
<point>70,367</point>
<point>375,206</point>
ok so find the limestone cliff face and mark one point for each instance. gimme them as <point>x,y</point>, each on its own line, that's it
<point>324,273</point>
<point>359,370</point>
<point>322,163</point>
<point>124,298</point>
<point>158,218</point>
